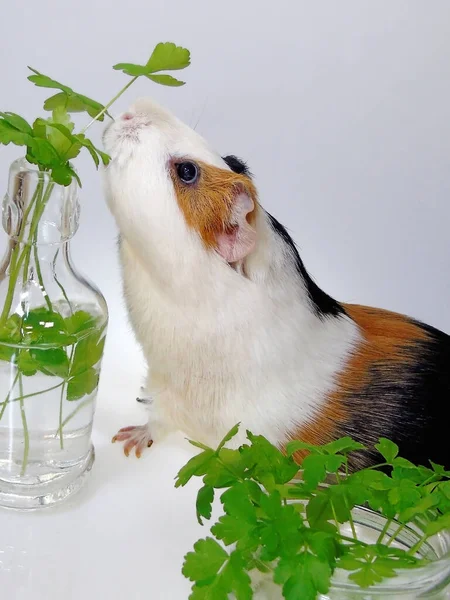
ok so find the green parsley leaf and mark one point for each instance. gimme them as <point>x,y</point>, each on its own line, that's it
<point>316,466</point>
<point>16,121</point>
<point>369,575</point>
<point>197,465</point>
<point>82,384</point>
<point>205,561</point>
<point>405,495</point>
<point>372,479</point>
<point>68,99</point>
<point>88,352</point>
<point>10,332</point>
<point>214,590</point>
<point>7,352</point>
<point>304,577</point>
<point>41,326</point>
<point>343,446</point>
<point>62,140</point>
<point>268,464</point>
<point>11,135</point>
<point>168,57</point>
<point>43,153</point>
<point>319,511</point>
<point>233,578</point>
<point>79,322</point>
<point>420,508</point>
<point>442,522</point>
<point>236,502</point>
<point>230,435</point>
<point>230,529</point>
<point>52,361</point>
<point>296,445</point>
<point>387,449</point>
<point>165,57</point>
<point>225,469</point>
<point>439,469</point>
<point>238,578</point>
<point>164,79</point>
<point>96,154</point>
<point>324,545</point>
<point>205,497</point>
<point>26,363</point>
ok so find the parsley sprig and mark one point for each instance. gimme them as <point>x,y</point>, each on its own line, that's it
<point>288,522</point>
<point>51,143</point>
<point>42,340</point>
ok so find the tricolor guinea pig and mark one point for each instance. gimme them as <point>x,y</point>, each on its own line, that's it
<point>232,326</point>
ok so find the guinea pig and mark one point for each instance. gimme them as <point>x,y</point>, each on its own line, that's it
<point>233,327</point>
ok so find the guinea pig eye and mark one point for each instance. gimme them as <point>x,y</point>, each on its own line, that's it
<point>187,172</point>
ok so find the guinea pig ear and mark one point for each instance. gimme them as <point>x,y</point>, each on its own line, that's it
<point>239,238</point>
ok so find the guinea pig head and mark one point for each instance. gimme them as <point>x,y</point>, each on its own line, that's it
<point>171,193</point>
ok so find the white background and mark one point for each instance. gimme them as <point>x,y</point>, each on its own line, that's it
<point>342,110</point>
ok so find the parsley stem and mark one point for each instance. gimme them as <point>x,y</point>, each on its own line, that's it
<point>17,260</point>
<point>110,103</point>
<point>385,464</point>
<point>384,531</point>
<point>61,405</point>
<point>335,516</point>
<point>20,398</point>
<point>32,241</point>
<point>26,436</point>
<point>395,534</point>
<point>430,479</point>
<point>11,259</point>
<point>352,540</point>
<point>262,566</point>
<point>418,545</point>
<point>27,249</point>
<point>40,279</point>
<point>61,401</point>
<point>58,283</point>
<point>350,517</point>
<point>11,285</point>
<point>6,400</point>
<point>74,412</point>
<point>40,207</point>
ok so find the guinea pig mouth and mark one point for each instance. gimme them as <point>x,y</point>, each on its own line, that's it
<point>130,130</point>
<point>127,128</point>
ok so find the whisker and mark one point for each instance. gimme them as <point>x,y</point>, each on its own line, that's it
<point>201,114</point>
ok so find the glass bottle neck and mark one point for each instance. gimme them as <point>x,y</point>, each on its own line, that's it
<point>36,211</point>
<point>48,253</point>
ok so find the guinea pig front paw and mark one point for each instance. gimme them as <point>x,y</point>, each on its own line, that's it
<point>135,436</point>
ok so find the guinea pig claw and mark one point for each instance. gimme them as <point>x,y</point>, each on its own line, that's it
<point>139,450</point>
<point>123,434</point>
<point>135,436</point>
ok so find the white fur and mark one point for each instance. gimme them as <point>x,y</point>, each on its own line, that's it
<point>223,345</point>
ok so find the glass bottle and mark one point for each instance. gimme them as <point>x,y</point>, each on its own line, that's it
<point>52,331</point>
<point>431,581</point>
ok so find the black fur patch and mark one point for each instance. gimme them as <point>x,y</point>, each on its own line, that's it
<point>323,304</point>
<point>407,403</point>
<point>237,165</point>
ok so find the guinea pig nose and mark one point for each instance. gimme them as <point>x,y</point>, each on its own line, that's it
<point>127,116</point>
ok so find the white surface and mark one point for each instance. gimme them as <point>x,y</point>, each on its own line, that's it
<point>342,110</point>
<point>124,536</point>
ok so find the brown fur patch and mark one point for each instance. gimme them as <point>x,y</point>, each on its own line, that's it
<point>207,205</point>
<point>389,339</point>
